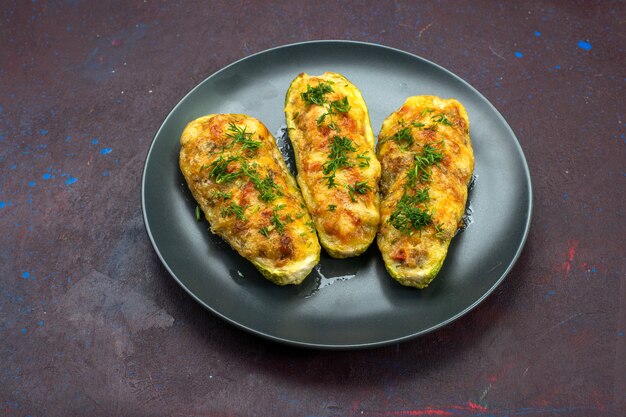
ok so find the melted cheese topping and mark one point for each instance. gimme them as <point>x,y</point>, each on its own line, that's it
<point>238,177</point>
<point>414,255</point>
<point>337,168</point>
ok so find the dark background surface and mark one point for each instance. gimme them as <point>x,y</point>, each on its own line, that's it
<point>92,324</point>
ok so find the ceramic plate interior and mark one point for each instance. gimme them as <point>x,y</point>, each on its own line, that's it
<point>349,303</point>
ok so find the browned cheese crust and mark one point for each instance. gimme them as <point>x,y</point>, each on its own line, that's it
<point>238,177</point>
<point>427,162</point>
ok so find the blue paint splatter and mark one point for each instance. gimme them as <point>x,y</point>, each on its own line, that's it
<point>13,166</point>
<point>557,67</point>
<point>23,330</point>
<point>537,33</point>
<point>593,269</point>
<point>40,323</point>
<point>43,132</point>
<point>46,176</point>
<point>519,54</point>
<point>94,141</point>
<point>621,333</point>
<point>31,184</point>
<point>549,294</point>
<point>105,173</point>
<point>565,196</point>
<point>26,275</point>
<point>1,109</point>
<point>68,138</point>
<point>585,45</point>
<point>70,180</point>
<point>105,151</point>
<point>3,204</point>
<point>69,28</point>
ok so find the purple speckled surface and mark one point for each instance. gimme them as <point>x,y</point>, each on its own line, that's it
<point>92,324</point>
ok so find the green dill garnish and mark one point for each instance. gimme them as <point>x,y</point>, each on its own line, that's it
<point>234,209</point>
<point>337,158</point>
<point>442,119</point>
<point>359,188</point>
<point>333,126</point>
<point>300,215</point>
<point>403,135</point>
<point>221,195</point>
<point>197,213</point>
<point>315,95</point>
<point>239,135</point>
<point>275,220</point>
<point>332,207</point>
<point>420,171</point>
<point>418,124</point>
<point>339,106</point>
<point>426,111</point>
<point>220,172</point>
<point>265,232</point>
<point>364,160</point>
<point>439,230</point>
<point>408,217</point>
<point>335,107</point>
<point>311,225</point>
<point>267,188</point>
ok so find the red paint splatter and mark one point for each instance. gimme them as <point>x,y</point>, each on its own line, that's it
<point>470,407</point>
<point>419,412</point>
<point>477,407</point>
<point>116,42</point>
<point>572,245</point>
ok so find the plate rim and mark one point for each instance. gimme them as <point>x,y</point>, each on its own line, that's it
<point>350,346</point>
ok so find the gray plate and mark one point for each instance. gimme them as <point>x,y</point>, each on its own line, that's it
<point>347,303</point>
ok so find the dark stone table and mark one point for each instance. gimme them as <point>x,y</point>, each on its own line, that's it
<point>92,323</point>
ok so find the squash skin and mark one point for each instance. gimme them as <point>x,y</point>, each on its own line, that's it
<point>346,223</point>
<point>284,257</point>
<point>415,258</point>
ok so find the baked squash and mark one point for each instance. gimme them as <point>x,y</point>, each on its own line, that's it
<point>427,163</point>
<point>329,128</point>
<point>238,177</point>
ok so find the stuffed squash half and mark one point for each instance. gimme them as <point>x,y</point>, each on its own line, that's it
<point>329,128</point>
<point>238,177</point>
<point>427,162</point>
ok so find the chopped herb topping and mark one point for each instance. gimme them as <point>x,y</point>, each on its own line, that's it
<point>239,135</point>
<point>426,111</point>
<point>442,119</point>
<point>234,210</point>
<point>420,169</point>
<point>408,216</point>
<point>440,233</point>
<point>265,232</point>
<point>221,195</point>
<point>275,220</point>
<point>220,172</point>
<point>364,160</point>
<point>332,207</point>
<point>335,107</point>
<point>333,126</point>
<point>337,158</point>
<point>315,95</point>
<point>403,135</point>
<point>359,188</point>
<point>295,115</point>
<point>197,213</point>
<point>267,188</point>
<point>311,225</point>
